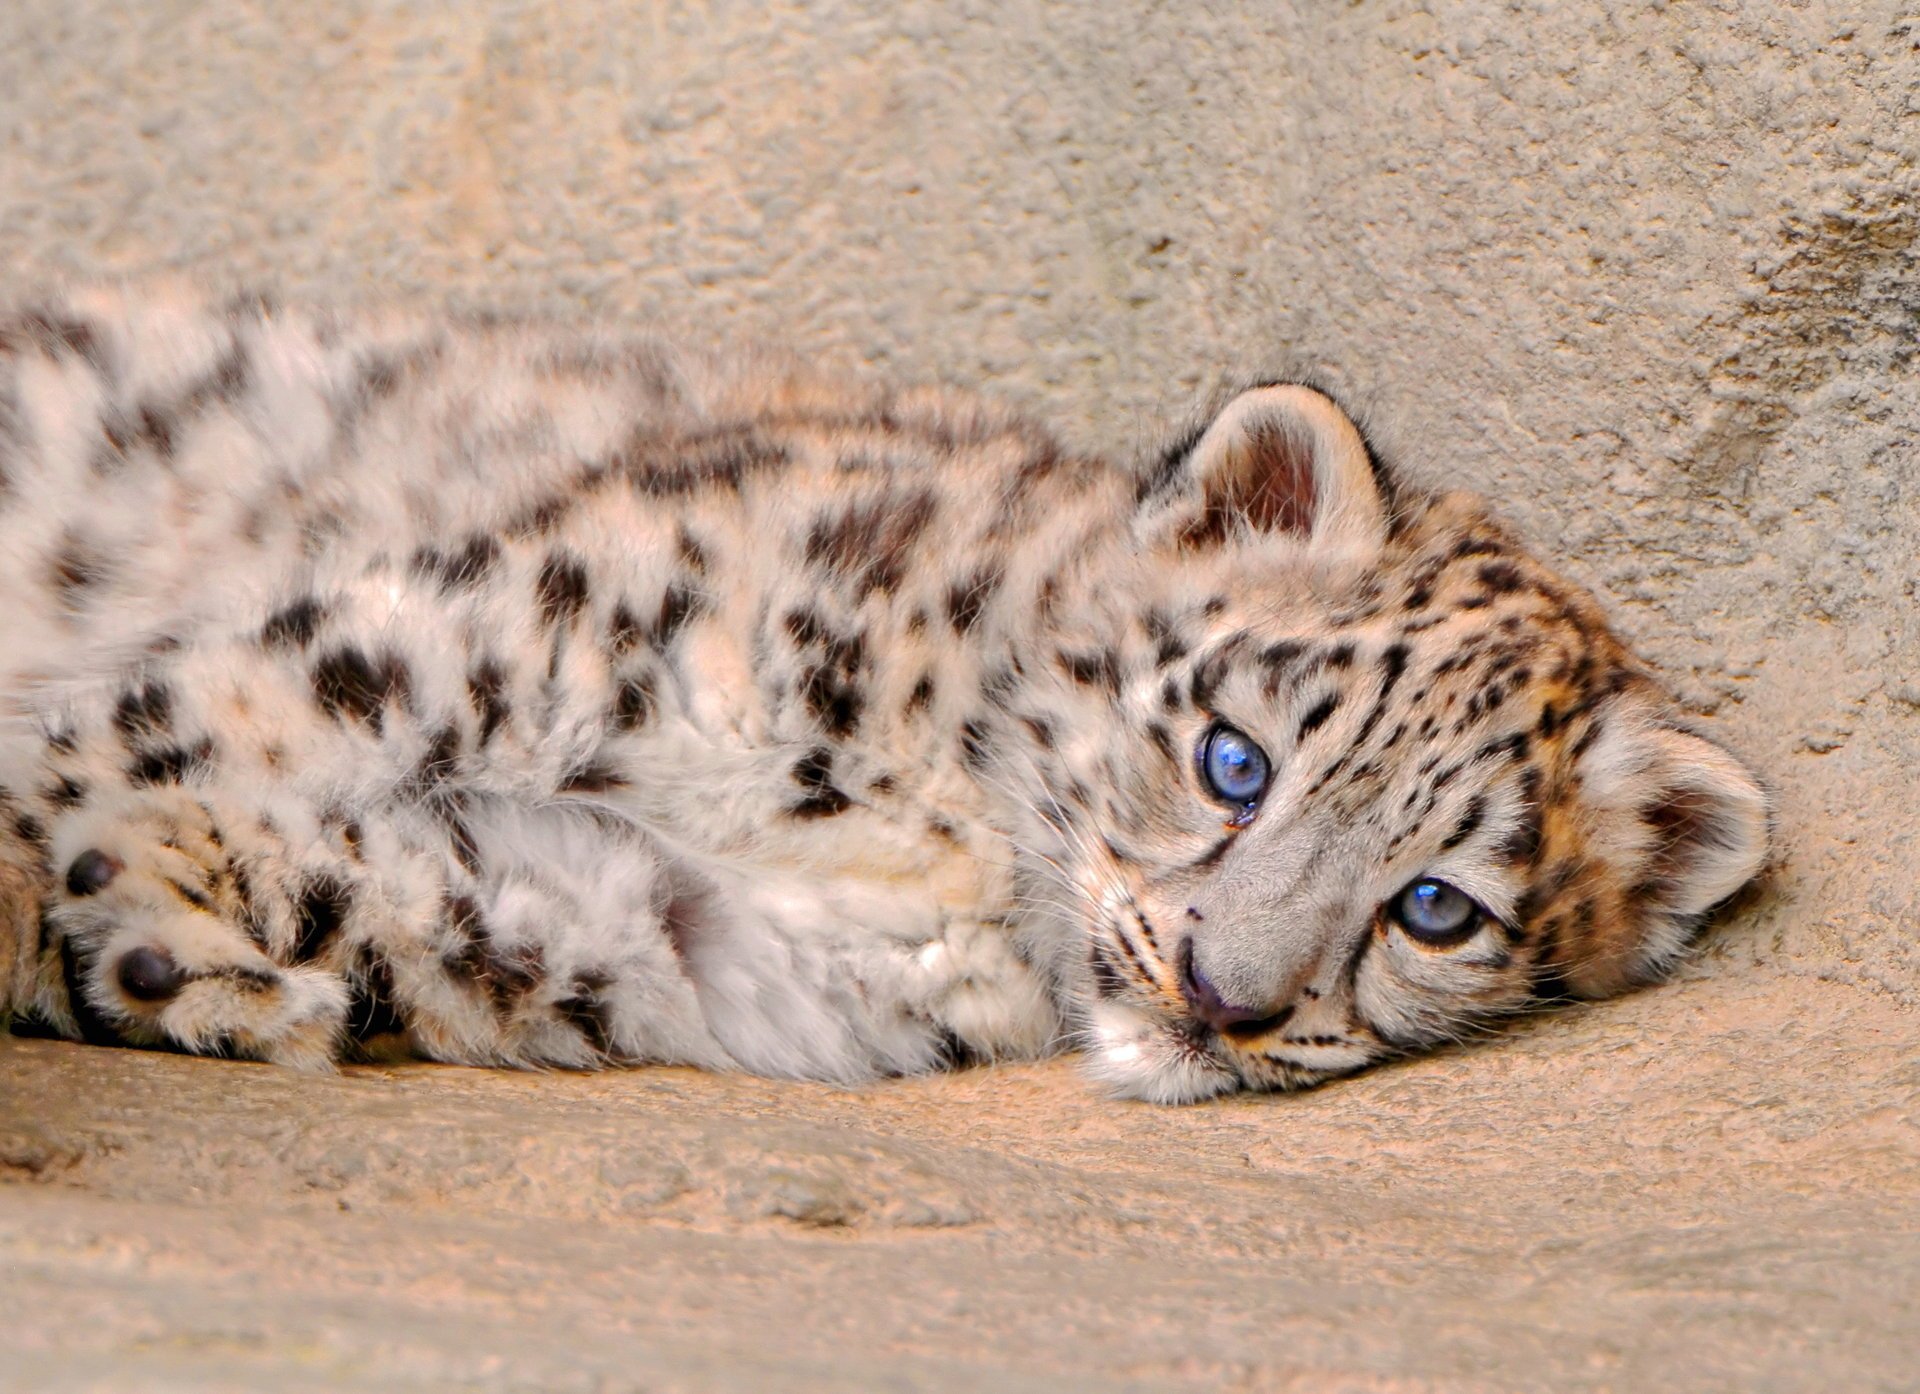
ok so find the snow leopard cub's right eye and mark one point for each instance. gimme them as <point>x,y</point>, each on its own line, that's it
<point>1437,913</point>
<point>1234,768</point>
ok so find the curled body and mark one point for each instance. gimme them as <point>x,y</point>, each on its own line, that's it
<point>513,694</point>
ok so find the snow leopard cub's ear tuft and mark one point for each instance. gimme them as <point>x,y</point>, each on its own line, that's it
<point>1279,460</point>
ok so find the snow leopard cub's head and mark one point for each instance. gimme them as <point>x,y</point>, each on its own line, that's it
<point>1379,774</point>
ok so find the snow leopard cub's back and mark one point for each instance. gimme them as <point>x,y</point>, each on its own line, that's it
<point>515,695</point>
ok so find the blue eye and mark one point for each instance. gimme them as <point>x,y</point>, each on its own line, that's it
<point>1234,767</point>
<point>1436,913</point>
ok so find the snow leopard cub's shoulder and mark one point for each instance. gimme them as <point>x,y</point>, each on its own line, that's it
<point>510,694</point>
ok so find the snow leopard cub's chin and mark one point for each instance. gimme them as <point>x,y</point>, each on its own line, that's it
<point>1369,776</point>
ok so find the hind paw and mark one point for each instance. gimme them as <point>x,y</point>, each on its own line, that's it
<point>165,946</point>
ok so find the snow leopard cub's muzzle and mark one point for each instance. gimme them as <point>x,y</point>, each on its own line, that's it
<point>1380,777</point>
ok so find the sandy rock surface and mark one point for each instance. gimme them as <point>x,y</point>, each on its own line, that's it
<point>1644,272</point>
<point>1583,1204</point>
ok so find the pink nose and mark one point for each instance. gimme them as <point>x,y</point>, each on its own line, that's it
<point>1207,1005</point>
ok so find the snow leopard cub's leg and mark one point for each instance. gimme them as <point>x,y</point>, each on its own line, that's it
<point>334,828</point>
<point>224,922</point>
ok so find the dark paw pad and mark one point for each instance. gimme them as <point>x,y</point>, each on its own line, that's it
<point>92,871</point>
<point>149,975</point>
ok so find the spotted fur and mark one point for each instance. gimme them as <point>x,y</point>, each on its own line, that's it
<point>507,695</point>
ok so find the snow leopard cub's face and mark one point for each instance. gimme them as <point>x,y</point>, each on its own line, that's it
<point>1381,776</point>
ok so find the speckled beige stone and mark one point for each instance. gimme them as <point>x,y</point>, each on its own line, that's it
<point>1645,271</point>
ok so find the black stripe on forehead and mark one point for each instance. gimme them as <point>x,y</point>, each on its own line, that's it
<point>1468,824</point>
<point>1212,668</point>
<point>1393,666</point>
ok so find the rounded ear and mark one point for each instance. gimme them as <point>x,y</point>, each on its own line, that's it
<point>1278,460</point>
<point>1681,824</point>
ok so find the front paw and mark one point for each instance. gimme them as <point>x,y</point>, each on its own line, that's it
<point>163,943</point>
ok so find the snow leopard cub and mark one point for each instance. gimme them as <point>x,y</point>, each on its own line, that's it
<point>506,695</point>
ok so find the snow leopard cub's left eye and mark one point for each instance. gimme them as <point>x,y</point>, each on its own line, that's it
<point>1233,766</point>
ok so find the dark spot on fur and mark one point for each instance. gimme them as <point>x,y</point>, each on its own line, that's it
<point>157,427</point>
<point>1521,846</point>
<point>1469,823</point>
<point>144,711</point>
<point>869,543</point>
<point>94,1028</point>
<point>804,627</point>
<point>1107,980</point>
<point>1208,674</point>
<point>373,1008</point>
<point>586,1009</point>
<point>1169,469</point>
<point>922,695</point>
<point>678,604</point>
<point>623,630</point>
<point>319,914</point>
<point>74,570</point>
<point>561,587</point>
<point>1101,669</point>
<point>486,690</point>
<point>1501,577</point>
<point>1317,716</point>
<point>974,745</point>
<point>723,459</point>
<point>449,814</point>
<point>681,917</point>
<point>830,685</point>
<point>192,895</point>
<point>1513,747</point>
<point>813,772</point>
<point>437,764</point>
<point>1540,895</point>
<point>693,556</point>
<point>541,517</point>
<point>998,686</point>
<point>966,599</point>
<point>592,777</point>
<point>294,625</point>
<point>506,973</point>
<point>633,703</point>
<point>55,334</point>
<point>1476,545</point>
<point>1169,646</point>
<point>30,830</point>
<point>351,686</point>
<point>461,570</point>
<point>170,764</point>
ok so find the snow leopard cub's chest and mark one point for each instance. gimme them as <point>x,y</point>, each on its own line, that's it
<point>525,696</point>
